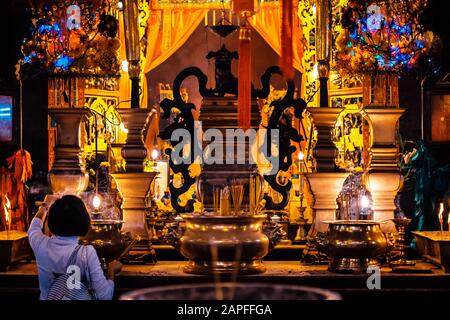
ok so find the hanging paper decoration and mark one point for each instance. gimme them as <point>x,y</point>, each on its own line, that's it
<point>384,36</point>
<point>12,187</point>
<point>67,38</point>
<point>20,163</point>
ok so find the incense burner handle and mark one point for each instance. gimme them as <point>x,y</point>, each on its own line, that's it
<point>274,232</point>
<point>173,234</point>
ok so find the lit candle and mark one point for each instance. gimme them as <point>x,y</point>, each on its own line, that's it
<point>365,202</point>
<point>448,225</point>
<point>155,154</point>
<point>441,217</point>
<point>122,128</point>
<point>7,208</point>
<point>96,202</point>
<point>301,156</point>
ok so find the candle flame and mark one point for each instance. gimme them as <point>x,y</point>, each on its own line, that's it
<point>122,128</point>
<point>155,154</point>
<point>7,207</point>
<point>365,202</point>
<point>96,202</point>
<point>301,156</point>
<point>441,211</point>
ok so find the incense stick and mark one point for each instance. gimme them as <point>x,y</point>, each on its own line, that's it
<point>224,201</point>
<point>237,193</point>
<point>216,199</point>
<point>252,195</point>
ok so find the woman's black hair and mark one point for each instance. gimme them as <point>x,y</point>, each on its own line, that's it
<point>69,217</point>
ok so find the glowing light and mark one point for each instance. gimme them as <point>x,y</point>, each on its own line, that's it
<point>441,212</point>
<point>301,156</point>
<point>63,62</point>
<point>125,65</point>
<point>315,72</point>
<point>314,9</point>
<point>96,202</point>
<point>365,203</point>
<point>7,207</point>
<point>122,128</point>
<point>155,154</point>
<point>120,5</point>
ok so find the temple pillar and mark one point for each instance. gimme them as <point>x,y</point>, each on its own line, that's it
<point>325,186</point>
<point>134,183</point>
<point>326,182</point>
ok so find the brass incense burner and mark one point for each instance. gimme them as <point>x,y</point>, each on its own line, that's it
<point>231,291</point>
<point>107,239</point>
<point>352,244</point>
<point>224,244</point>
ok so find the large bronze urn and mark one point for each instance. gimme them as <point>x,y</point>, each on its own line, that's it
<point>68,173</point>
<point>352,244</point>
<point>223,244</point>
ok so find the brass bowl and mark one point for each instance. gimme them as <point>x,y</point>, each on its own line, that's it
<point>105,236</point>
<point>222,244</point>
<point>352,244</point>
<point>68,183</point>
<point>231,291</point>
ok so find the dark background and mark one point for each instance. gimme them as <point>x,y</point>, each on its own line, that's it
<point>13,28</point>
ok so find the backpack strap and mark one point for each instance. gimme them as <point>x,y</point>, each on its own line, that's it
<point>87,275</point>
<point>73,257</point>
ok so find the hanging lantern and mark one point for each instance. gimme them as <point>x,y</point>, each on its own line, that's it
<point>383,37</point>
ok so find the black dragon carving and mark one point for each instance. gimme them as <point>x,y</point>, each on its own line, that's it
<point>183,120</point>
<point>281,119</point>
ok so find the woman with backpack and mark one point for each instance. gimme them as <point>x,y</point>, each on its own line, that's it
<point>67,270</point>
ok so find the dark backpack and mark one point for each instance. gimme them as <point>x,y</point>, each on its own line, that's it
<point>64,287</point>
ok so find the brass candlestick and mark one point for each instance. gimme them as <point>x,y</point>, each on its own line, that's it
<point>300,236</point>
<point>400,224</point>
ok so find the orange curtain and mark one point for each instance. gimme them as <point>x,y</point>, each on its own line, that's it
<point>167,31</point>
<point>267,22</point>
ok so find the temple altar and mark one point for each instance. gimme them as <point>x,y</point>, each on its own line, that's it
<point>235,140</point>
<point>21,281</point>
